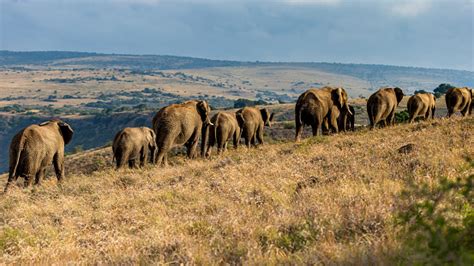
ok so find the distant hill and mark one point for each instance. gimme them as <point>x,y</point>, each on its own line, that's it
<point>377,75</point>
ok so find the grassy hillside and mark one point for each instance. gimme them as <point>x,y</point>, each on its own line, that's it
<point>376,75</point>
<point>327,200</point>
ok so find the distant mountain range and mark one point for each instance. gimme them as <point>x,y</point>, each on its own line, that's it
<point>377,75</point>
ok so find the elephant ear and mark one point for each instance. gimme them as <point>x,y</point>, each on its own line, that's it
<point>66,131</point>
<point>265,115</point>
<point>399,94</point>
<point>203,109</point>
<point>338,97</point>
<point>151,138</point>
<point>240,118</point>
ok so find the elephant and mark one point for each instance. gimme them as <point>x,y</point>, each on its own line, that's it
<point>181,124</point>
<point>421,104</point>
<point>459,100</point>
<point>382,104</point>
<point>225,126</point>
<point>346,121</point>
<point>35,147</point>
<point>315,106</point>
<point>132,145</point>
<point>252,122</point>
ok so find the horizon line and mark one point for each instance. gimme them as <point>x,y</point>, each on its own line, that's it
<point>237,61</point>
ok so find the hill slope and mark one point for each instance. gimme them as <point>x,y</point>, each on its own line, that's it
<point>377,75</point>
<point>326,200</point>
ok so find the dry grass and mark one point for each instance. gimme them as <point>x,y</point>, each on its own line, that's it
<point>328,200</point>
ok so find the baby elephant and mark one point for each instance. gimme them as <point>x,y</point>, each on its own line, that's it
<point>252,121</point>
<point>34,148</point>
<point>132,145</point>
<point>421,104</point>
<point>224,126</point>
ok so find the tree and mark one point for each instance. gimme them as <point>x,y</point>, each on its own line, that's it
<point>442,89</point>
<point>420,91</point>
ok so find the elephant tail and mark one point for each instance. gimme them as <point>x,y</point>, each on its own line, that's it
<point>15,154</point>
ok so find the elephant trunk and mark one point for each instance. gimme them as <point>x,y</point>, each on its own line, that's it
<point>346,105</point>
<point>204,137</point>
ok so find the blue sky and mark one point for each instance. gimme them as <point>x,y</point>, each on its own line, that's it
<point>428,33</point>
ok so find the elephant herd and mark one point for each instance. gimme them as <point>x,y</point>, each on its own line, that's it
<point>326,109</point>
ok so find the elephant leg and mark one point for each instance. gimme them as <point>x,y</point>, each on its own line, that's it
<point>450,112</point>
<point>120,158</point>
<point>28,180</point>
<point>225,146</point>
<point>220,142</point>
<point>58,162</point>
<point>192,147</point>
<point>254,138</point>
<point>10,180</point>
<point>334,125</point>
<point>236,139</point>
<point>465,111</point>
<point>391,118</point>
<point>299,130</point>
<point>315,129</point>
<point>144,156</point>
<point>428,114</point>
<point>259,135</point>
<point>325,127</point>
<point>161,155</point>
<point>39,176</point>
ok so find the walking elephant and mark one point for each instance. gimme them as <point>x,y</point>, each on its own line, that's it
<point>459,100</point>
<point>421,104</point>
<point>181,124</point>
<point>382,104</point>
<point>252,122</point>
<point>346,120</point>
<point>315,106</point>
<point>225,127</point>
<point>132,145</point>
<point>35,147</point>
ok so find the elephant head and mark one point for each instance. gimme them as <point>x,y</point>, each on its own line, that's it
<point>267,117</point>
<point>204,110</point>
<point>340,99</point>
<point>64,129</point>
<point>399,94</point>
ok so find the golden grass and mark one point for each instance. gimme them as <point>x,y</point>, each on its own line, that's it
<point>327,200</point>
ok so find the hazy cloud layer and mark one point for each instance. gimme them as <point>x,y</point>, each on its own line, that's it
<point>405,32</point>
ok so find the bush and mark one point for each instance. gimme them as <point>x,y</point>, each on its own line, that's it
<point>442,89</point>
<point>438,222</point>
<point>240,103</point>
<point>402,117</point>
<point>420,91</point>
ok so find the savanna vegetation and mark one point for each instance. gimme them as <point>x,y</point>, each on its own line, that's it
<point>395,195</point>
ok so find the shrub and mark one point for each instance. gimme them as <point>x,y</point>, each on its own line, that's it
<point>438,222</point>
<point>442,89</point>
<point>402,117</point>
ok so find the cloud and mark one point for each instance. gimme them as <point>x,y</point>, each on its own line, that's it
<point>417,33</point>
<point>410,8</point>
<point>313,2</point>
